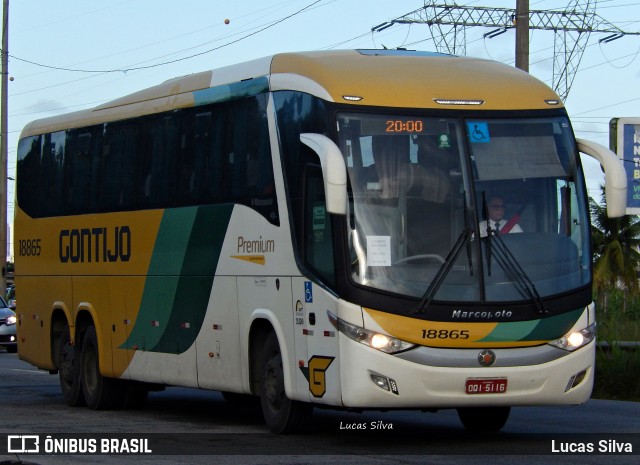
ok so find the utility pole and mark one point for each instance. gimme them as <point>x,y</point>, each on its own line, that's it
<point>4,146</point>
<point>522,35</point>
<point>572,27</point>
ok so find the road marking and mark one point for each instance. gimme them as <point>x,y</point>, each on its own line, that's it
<point>35,372</point>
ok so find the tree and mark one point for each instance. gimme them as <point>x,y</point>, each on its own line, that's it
<point>615,251</point>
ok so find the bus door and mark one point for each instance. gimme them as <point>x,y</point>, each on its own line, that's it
<point>316,343</point>
<point>316,339</point>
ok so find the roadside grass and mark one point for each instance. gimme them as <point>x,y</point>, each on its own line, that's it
<point>617,375</point>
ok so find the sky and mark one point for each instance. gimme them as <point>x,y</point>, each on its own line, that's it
<point>75,54</point>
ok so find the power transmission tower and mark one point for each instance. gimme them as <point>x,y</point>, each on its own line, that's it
<point>572,27</point>
<point>4,145</point>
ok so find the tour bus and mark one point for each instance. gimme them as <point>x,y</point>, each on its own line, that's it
<point>314,229</point>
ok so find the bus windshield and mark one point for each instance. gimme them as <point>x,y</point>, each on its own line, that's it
<point>465,209</point>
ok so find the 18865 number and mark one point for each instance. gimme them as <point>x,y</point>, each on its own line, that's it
<point>29,247</point>
<point>445,334</point>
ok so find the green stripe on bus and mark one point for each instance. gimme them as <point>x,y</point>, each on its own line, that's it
<point>512,331</point>
<point>171,243</point>
<point>196,279</point>
<point>554,327</point>
<point>180,278</point>
<point>544,329</point>
<point>162,278</point>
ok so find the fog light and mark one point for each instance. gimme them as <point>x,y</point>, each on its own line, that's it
<point>380,381</point>
<point>575,380</point>
<point>385,383</point>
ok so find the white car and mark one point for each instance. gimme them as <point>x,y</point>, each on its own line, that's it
<point>8,320</point>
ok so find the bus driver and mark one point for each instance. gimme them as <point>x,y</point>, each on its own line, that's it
<point>496,221</point>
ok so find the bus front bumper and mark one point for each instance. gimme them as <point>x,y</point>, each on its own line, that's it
<point>374,379</point>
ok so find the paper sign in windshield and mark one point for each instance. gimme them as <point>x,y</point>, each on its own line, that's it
<point>379,250</point>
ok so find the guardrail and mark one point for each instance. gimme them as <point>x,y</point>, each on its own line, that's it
<point>625,345</point>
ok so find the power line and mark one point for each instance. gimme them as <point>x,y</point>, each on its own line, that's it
<point>608,106</point>
<point>136,68</point>
<point>572,27</point>
<point>271,9</point>
<point>360,36</point>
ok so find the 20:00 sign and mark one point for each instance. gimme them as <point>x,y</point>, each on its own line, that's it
<point>411,126</point>
<point>29,247</point>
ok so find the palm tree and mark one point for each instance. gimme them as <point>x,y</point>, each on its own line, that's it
<point>615,251</point>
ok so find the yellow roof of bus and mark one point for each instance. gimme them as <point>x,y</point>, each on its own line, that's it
<point>388,78</point>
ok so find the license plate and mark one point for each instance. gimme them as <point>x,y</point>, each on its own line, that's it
<point>486,385</point>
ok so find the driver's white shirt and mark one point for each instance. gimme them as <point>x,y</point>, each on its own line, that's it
<point>492,224</point>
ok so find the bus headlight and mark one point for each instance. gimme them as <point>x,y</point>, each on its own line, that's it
<point>382,342</point>
<point>576,339</point>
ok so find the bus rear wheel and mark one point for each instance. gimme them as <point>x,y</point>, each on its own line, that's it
<point>99,391</point>
<point>281,414</point>
<point>488,419</point>
<point>69,370</point>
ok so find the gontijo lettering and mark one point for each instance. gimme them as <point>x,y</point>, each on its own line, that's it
<point>89,245</point>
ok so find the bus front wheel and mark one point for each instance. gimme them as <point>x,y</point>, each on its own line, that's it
<point>281,414</point>
<point>487,419</point>
<point>99,391</point>
<point>69,370</point>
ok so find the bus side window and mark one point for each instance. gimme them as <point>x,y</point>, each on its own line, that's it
<point>77,181</point>
<point>318,240</point>
<point>29,168</point>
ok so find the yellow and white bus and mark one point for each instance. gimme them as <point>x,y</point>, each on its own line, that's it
<point>314,229</point>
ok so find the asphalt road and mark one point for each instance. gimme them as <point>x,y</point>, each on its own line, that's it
<point>186,426</point>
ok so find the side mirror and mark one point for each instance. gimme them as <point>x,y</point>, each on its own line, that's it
<point>615,177</point>
<point>334,171</point>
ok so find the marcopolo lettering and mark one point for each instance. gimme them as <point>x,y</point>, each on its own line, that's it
<point>92,245</point>
<point>480,314</point>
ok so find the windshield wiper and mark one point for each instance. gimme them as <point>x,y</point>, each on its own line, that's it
<point>439,278</point>
<point>508,262</point>
<point>516,273</point>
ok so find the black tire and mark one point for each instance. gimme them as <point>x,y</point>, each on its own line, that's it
<point>100,392</point>
<point>281,414</point>
<point>69,369</point>
<point>12,349</point>
<point>484,419</point>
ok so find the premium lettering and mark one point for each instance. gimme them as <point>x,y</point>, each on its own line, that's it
<point>256,246</point>
<point>95,245</point>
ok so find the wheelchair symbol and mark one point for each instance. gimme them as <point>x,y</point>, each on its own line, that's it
<point>308,292</point>
<point>478,132</point>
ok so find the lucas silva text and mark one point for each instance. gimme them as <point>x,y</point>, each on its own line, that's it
<point>378,425</point>
<point>605,446</point>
